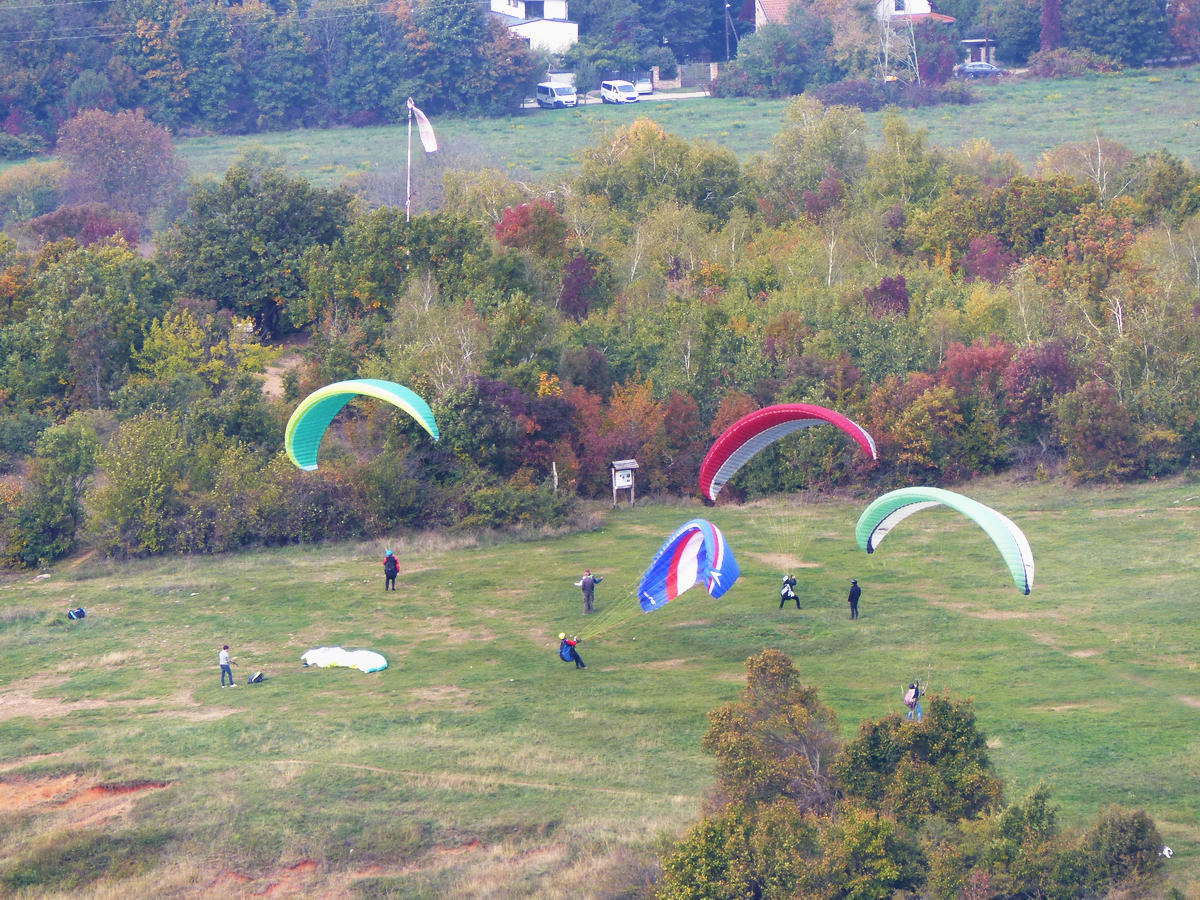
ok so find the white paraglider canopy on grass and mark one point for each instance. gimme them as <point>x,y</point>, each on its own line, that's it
<point>363,660</point>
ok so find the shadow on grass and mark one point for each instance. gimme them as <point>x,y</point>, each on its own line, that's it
<point>68,863</point>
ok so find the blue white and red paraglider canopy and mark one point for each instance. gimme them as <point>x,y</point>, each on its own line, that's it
<point>697,553</point>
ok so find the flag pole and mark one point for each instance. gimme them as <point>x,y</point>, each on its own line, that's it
<point>408,168</point>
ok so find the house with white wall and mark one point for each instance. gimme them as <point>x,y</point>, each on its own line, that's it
<point>909,11</point>
<point>896,11</point>
<point>543,23</point>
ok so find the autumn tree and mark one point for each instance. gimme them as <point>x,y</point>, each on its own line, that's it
<point>1052,26</point>
<point>777,742</point>
<point>122,160</point>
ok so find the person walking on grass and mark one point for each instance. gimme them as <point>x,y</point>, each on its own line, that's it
<point>855,593</point>
<point>788,591</point>
<point>588,585</point>
<point>568,652</point>
<point>391,568</point>
<point>226,662</point>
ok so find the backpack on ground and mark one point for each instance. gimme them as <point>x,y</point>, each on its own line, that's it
<point>79,613</point>
<point>256,678</point>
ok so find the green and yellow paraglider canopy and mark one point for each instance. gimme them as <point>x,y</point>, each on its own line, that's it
<point>309,422</point>
<point>892,508</point>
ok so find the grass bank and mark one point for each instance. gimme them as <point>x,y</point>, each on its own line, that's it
<point>1147,110</point>
<point>479,765</point>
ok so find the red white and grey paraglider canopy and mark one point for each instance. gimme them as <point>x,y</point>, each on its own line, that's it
<point>752,432</point>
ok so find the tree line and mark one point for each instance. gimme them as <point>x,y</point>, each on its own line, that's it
<point>974,317</point>
<point>252,66</point>
<point>833,46</point>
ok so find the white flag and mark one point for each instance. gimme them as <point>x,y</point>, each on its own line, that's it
<point>428,138</point>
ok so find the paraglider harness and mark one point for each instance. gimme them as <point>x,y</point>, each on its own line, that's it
<point>390,566</point>
<point>913,694</point>
<point>786,592</point>
<point>79,613</point>
<point>566,649</point>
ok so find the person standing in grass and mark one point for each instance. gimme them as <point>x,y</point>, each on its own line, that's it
<point>855,593</point>
<point>912,699</point>
<point>226,663</point>
<point>391,568</point>
<point>788,591</point>
<point>588,585</point>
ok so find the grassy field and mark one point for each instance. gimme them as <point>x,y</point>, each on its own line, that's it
<point>1146,110</point>
<point>479,765</point>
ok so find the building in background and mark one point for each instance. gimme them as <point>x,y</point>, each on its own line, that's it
<point>543,23</point>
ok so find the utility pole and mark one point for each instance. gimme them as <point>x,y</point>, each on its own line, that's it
<point>726,32</point>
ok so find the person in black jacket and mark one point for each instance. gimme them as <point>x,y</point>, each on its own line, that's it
<point>391,567</point>
<point>788,591</point>
<point>855,593</point>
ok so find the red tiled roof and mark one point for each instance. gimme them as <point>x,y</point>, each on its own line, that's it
<point>774,11</point>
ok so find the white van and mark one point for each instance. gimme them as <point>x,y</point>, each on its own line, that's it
<point>618,92</point>
<point>556,96</point>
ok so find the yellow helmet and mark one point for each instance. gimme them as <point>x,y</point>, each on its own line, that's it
<point>562,635</point>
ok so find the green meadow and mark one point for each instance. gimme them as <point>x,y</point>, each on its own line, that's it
<point>1145,109</point>
<point>479,765</point>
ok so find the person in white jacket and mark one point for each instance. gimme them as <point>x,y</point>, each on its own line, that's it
<point>225,661</point>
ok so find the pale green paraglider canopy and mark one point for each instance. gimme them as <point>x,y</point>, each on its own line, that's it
<point>892,508</point>
<point>307,425</point>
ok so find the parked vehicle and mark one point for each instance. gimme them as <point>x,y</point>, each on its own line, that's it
<point>979,70</point>
<point>644,85</point>
<point>556,96</point>
<point>618,92</point>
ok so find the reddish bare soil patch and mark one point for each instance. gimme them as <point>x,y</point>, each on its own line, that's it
<point>82,806</point>
<point>21,794</point>
<point>105,791</point>
<point>297,880</point>
<point>1189,701</point>
<point>291,881</point>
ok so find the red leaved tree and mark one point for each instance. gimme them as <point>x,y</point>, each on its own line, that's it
<point>535,226</point>
<point>122,160</point>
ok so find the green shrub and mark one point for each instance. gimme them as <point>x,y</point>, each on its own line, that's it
<point>1123,846</point>
<point>1064,63</point>
<point>30,190</point>
<point>20,146</point>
